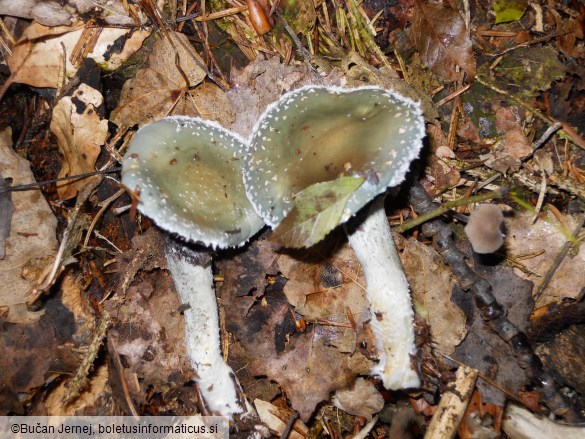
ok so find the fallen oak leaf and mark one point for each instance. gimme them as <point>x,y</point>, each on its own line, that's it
<point>38,57</point>
<point>80,134</point>
<point>159,90</point>
<point>442,39</point>
<point>32,237</point>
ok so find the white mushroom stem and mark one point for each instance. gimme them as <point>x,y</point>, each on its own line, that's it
<point>389,296</point>
<point>191,272</point>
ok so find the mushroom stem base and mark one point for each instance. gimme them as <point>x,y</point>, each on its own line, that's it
<point>390,305</point>
<point>191,272</point>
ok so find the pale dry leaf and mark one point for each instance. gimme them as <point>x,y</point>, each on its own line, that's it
<point>37,59</point>
<point>442,40</point>
<point>326,291</point>
<point>64,12</point>
<point>508,125</point>
<point>362,399</point>
<point>500,159</point>
<point>308,371</point>
<point>47,12</point>
<point>212,103</point>
<point>538,244</point>
<point>516,143</point>
<point>544,161</point>
<point>32,236</point>
<point>160,89</point>
<point>97,389</point>
<point>80,133</point>
<point>274,417</point>
<point>443,173</point>
<point>430,283</point>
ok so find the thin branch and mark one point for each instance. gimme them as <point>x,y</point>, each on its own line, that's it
<point>445,207</point>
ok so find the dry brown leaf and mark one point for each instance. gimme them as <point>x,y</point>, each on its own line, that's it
<point>326,291</point>
<point>508,125</point>
<point>516,143</point>
<point>308,371</point>
<point>476,414</point>
<point>63,12</point>
<point>430,283</point>
<point>55,345</point>
<point>80,134</point>
<point>443,174</point>
<point>148,331</point>
<point>572,31</point>
<point>499,159</point>
<point>212,103</point>
<point>541,242</point>
<point>37,59</point>
<point>32,236</point>
<point>96,393</point>
<point>160,89</point>
<point>512,146</point>
<point>27,351</point>
<point>442,40</point>
<point>305,364</point>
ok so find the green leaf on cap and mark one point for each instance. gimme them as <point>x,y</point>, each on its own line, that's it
<point>509,10</point>
<point>317,210</point>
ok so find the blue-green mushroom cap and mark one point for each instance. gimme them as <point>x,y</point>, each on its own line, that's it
<point>188,174</point>
<point>316,134</point>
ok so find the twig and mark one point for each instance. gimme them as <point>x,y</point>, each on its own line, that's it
<point>453,404</point>
<point>289,425</point>
<point>306,55</point>
<point>452,95</point>
<point>119,368</point>
<point>540,200</point>
<point>38,185</point>
<point>445,207</point>
<point>105,205</point>
<point>528,43</point>
<point>545,136</point>
<point>485,378</point>
<point>78,381</point>
<point>363,433</point>
<point>11,38</point>
<point>70,240</point>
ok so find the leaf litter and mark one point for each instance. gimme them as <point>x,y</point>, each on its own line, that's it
<point>298,324</point>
